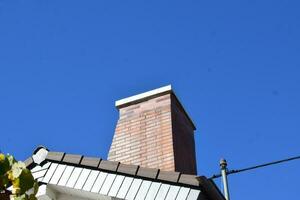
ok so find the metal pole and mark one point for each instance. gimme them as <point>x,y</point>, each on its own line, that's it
<point>223,165</point>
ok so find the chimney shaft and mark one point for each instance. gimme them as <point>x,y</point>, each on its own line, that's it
<point>154,131</point>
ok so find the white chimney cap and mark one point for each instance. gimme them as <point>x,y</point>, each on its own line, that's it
<point>143,96</point>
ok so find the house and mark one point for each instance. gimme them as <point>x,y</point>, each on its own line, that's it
<point>152,157</point>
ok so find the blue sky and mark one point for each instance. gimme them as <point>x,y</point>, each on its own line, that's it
<point>234,65</point>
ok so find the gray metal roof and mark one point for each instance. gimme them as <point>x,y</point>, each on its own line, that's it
<point>117,180</point>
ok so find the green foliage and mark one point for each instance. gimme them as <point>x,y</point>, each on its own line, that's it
<point>15,174</point>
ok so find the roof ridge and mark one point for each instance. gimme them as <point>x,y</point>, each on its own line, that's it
<point>136,171</point>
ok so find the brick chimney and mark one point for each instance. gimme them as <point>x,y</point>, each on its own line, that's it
<point>154,131</point>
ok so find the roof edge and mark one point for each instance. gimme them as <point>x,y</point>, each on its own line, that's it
<point>200,182</point>
<point>210,188</point>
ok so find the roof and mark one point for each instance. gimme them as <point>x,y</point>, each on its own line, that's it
<point>70,173</point>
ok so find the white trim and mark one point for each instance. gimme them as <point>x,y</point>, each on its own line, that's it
<point>45,193</point>
<point>40,156</point>
<point>107,186</point>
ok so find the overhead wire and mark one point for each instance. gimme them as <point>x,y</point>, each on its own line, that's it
<point>255,167</point>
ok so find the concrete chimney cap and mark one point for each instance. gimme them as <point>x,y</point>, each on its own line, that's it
<point>140,97</point>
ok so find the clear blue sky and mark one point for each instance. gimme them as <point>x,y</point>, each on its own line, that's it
<point>234,64</point>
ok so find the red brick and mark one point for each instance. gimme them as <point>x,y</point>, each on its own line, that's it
<point>155,133</point>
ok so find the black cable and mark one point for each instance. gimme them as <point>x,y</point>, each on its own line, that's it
<point>255,167</point>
